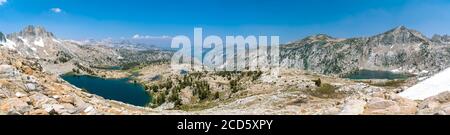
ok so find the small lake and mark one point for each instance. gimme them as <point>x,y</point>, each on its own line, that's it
<point>372,74</point>
<point>114,89</point>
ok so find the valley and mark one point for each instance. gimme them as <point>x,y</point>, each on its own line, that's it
<point>41,74</point>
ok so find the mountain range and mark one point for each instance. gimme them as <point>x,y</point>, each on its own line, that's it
<point>35,42</point>
<point>32,60</point>
<point>399,50</point>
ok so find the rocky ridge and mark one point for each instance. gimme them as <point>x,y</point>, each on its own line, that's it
<point>400,49</point>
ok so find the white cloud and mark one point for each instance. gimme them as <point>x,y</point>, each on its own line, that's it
<point>3,2</point>
<point>56,10</point>
<point>137,36</point>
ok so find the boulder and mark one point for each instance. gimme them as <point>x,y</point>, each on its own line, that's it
<point>443,97</point>
<point>439,104</point>
<point>379,103</point>
<point>353,107</point>
<point>67,99</point>
<point>78,102</point>
<point>407,106</point>
<point>5,92</point>
<point>31,86</point>
<point>90,110</point>
<point>61,109</point>
<point>69,109</point>
<point>445,110</point>
<point>38,99</point>
<point>15,106</point>
<point>38,112</point>
<point>20,94</point>
<point>27,70</point>
<point>393,105</point>
<point>166,106</point>
<point>8,71</point>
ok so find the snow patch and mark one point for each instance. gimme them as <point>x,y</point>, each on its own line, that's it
<point>74,41</point>
<point>430,87</point>
<point>9,44</point>
<point>33,48</point>
<point>396,70</point>
<point>424,72</point>
<point>39,42</point>
<point>57,41</point>
<point>422,78</point>
<point>25,41</point>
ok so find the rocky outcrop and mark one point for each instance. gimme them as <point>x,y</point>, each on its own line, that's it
<point>397,36</point>
<point>15,106</point>
<point>444,39</point>
<point>8,71</point>
<point>399,49</point>
<point>391,104</point>
<point>353,107</point>
<point>34,32</point>
<point>439,104</point>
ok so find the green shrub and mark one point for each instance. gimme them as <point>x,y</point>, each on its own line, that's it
<point>326,91</point>
<point>390,83</point>
<point>159,99</point>
<point>318,82</point>
<point>216,95</point>
<point>154,88</point>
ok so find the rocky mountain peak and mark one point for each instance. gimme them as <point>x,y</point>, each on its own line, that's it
<point>401,30</point>
<point>315,38</point>
<point>35,31</point>
<point>400,35</point>
<point>401,27</point>
<point>320,37</point>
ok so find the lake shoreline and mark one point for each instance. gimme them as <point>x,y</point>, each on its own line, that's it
<point>366,74</point>
<point>100,85</point>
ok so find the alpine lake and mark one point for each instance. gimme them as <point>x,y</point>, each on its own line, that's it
<point>123,89</point>
<point>375,74</point>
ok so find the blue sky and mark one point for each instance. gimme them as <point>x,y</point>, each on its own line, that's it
<point>289,19</point>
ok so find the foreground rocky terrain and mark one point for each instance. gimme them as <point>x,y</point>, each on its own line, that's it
<point>294,92</point>
<point>32,61</point>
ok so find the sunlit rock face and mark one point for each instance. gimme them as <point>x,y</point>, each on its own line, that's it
<point>400,49</point>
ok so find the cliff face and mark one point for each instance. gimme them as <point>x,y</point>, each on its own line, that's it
<point>399,49</point>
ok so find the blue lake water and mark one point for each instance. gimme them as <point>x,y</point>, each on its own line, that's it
<point>371,74</point>
<point>114,89</point>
